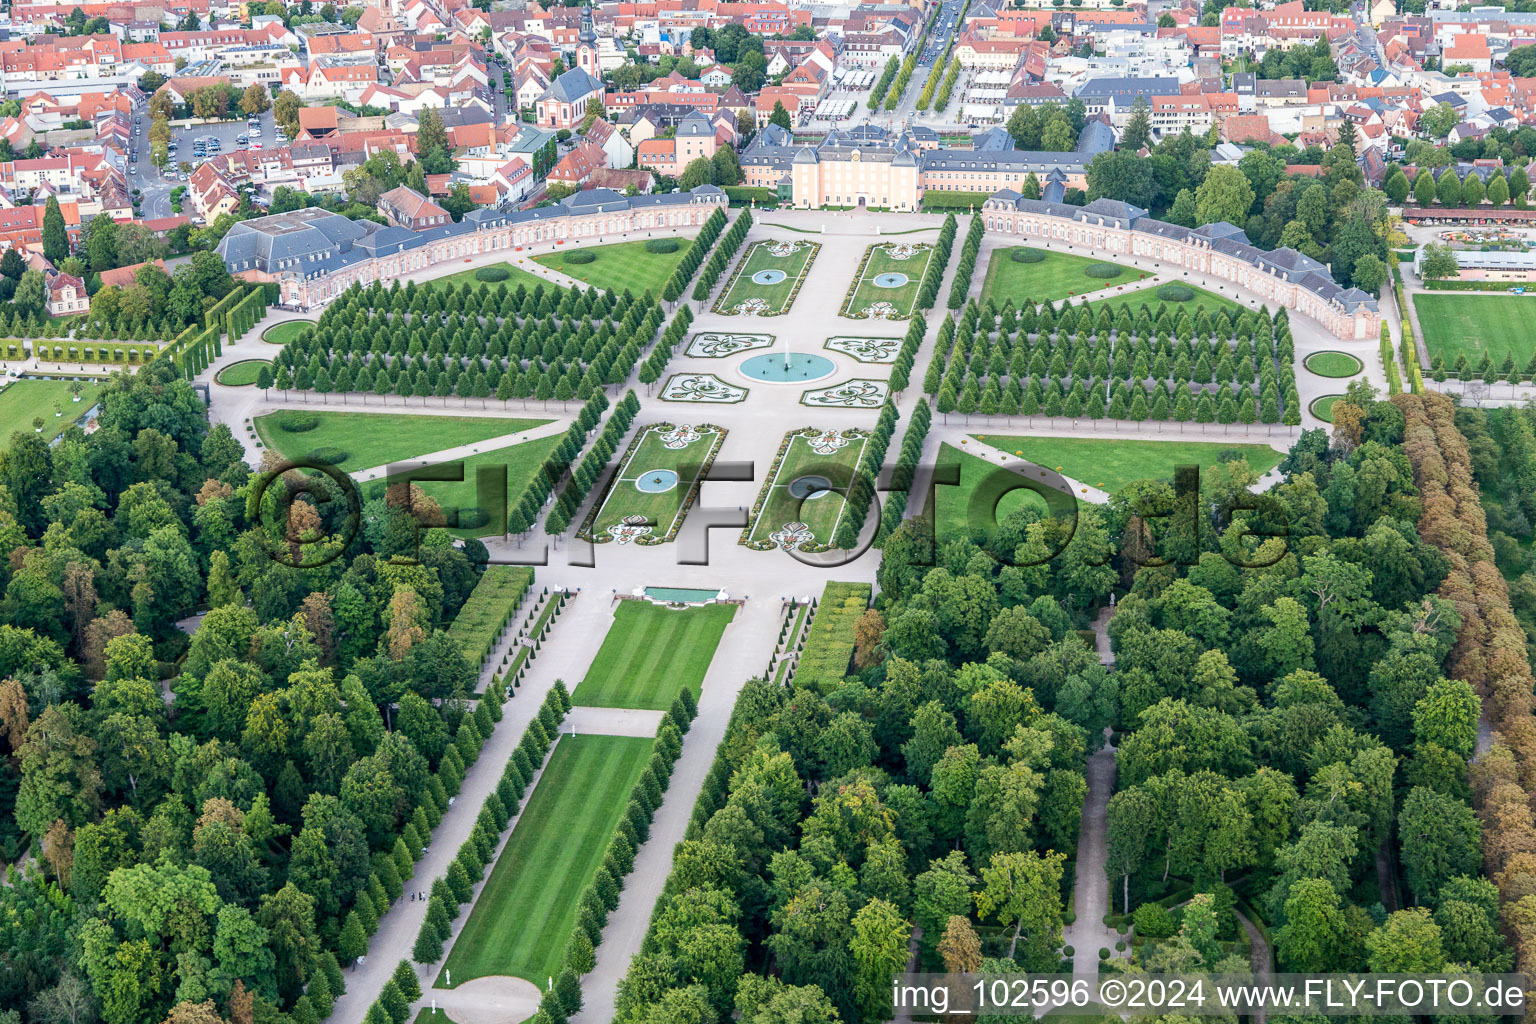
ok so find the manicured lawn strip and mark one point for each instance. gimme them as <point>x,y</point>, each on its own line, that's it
<point>533,630</point>
<point>22,401</point>
<point>620,265</point>
<point>1475,324</point>
<point>242,373</point>
<point>522,461</point>
<point>523,919</point>
<point>1056,277</point>
<point>650,653</point>
<point>758,258</point>
<point>625,499</point>
<point>374,439</point>
<point>1322,407</point>
<point>1111,464</point>
<point>1333,364</point>
<point>982,497</point>
<point>881,262</point>
<point>283,333</point>
<point>820,514</point>
<point>517,277</point>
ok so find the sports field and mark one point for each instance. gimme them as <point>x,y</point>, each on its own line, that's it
<point>620,265</point>
<point>22,401</point>
<point>893,274</point>
<point>1111,464</point>
<point>1474,324</point>
<point>1058,276</point>
<point>375,439</point>
<point>523,919</point>
<point>765,283</point>
<point>650,653</point>
<point>654,480</point>
<point>984,497</point>
<point>802,502</point>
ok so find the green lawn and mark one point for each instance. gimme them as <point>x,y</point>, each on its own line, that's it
<point>1322,407</point>
<point>242,373</point>
<point>521,460</point>
<point>653,482</point>
<point>650,653</point>
<point>1333,364</point>
<point>516,278</point>
<point>427,1015</point>
<point>620,265</point>
<point>283,333</point>
<point>1149,297</point>
<point>1474,324</point>
<point>374,439</point>
<point>984,497</point>
<point>22,401</point>
<point>820,509</point>
<point>523,919</point>
<point>881,261</point>
<point>1058,276</point>
<point>776,296</point>
<point>1111,464</point>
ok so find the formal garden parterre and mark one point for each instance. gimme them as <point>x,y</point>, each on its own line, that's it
<point>651,653</point>
<point>887,282</point>
<point>655,484</point>
<point>638,266</point>
<point>768,278</point>
<point>1049,276</point>
<point>805,491</point>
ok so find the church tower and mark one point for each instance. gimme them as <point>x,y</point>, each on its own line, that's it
<point>586,45</point>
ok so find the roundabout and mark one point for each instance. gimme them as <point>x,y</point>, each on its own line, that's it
<point>768,277</point>
<point>790,368</point>
<point>656,481</point>
<point>891,280</point>
<point>809,488</point>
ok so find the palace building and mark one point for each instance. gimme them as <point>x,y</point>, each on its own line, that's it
<point>315,255</point>
<point>1284,277</point>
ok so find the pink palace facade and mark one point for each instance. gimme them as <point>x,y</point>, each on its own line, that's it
<point>1282,277</point>
<point>315,255</point>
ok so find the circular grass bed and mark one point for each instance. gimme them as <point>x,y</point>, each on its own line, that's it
<point>1103,271</point>
<point>491,275</point>
<point>1333,364</point>
<point>1322,407</point>
<point>662,245</point>
<point>283,333</point>
<point>1175,293</point>
<point>1024,255</point>
<point>241,374</point>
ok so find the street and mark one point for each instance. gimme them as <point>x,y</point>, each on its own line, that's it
<point>155,189</point>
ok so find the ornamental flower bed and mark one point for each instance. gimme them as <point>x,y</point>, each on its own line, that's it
<point>772,478</point>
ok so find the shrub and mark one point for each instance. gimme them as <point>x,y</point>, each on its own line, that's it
<point>328,455</point>
<point>580,256</point>
<point>661,245</point>
<point>1153,921</point>
<point>1103,270</point>
<point>492,274</point>
<point>298,422</point>
<point>1175,293</point>
<point>1022,255</point>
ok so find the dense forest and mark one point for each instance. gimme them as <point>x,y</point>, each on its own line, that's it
<point>210,825</point>
<point>1292,718</point>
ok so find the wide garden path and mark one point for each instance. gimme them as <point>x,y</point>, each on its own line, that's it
<point>563,656</point>
<point>746,644</point>
<point>1088,933</point>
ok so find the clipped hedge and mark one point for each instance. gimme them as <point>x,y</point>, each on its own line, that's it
<point>1023,255</point>
<point>328,455</point>
<point>484,614</point>
<point>579,256</point>
<point>298,422</point>
<point>829,644</point>
<point>492,274</point>
<point>1103,271</point>
<point>662,245</point>
<point>1175,293</point>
